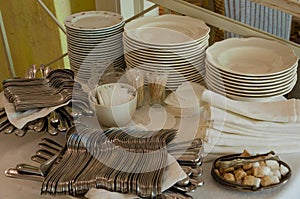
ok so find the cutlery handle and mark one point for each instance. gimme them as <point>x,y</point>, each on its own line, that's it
<point>28,169</point>
<point>13,173</point>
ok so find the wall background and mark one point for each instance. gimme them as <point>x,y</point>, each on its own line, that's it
<point>32,35</point>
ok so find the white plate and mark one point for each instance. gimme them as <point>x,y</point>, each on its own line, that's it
<point>262,78</point>
<point>82,31</point>
<point>105,44</point>
<point>109,37</point>
<point>225,91</point>
<point>95,36</point>
<point>251,56</point>
<point>96,55</point>
<point>168,56</point>
<point>168,53</point>
<point>166,29</point>
<point>173,76</point>
<point>242,82</point>
<point>93,20</point>
<point>193,45</point>
<point>158,66</point>
<point>95,32</point>
<point>248,89</point>
<point>95,50</point>
<point>154,60</point>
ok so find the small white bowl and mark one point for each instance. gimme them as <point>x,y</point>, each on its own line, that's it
<point>114,115</point>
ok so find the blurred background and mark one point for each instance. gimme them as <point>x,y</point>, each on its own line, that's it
<point>29,35</point>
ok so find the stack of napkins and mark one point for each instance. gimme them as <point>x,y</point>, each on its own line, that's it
<point>231,126</point>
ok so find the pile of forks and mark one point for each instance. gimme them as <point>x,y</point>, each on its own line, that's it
<point>121,160</point>
<point>126,160</point>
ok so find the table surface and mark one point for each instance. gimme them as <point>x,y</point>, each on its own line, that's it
<point>16,150</point>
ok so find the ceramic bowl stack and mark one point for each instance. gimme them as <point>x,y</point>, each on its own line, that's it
<point>94,41</point>
<point>167,43</point>
<point>251,69</point>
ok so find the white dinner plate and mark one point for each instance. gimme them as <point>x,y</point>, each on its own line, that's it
<point>225,91</point>
<point>243,82</point>
<point>250,89</point>
<point>165,54</point>
<point>167,66</point>
<point>246,78</point>
<point>166,29</point>
<point>93,20</point>
<point>251,56</point>
<point>194,45</point>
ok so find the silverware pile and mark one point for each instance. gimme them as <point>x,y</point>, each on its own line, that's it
<point>114,160</point>
<point>57,88</point>
<point>125,160</point>
<point>49,90</point>
<point>189,156</point>
<point>59,120</point>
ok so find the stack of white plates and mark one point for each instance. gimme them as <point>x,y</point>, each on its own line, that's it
<point>251,69</point>
<point>170,44</point>
<point>94,41</point>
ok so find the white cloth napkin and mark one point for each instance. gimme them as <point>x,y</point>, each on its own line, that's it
<point>187,95</point>
<point>172,174</point>
<point>20,119</point>
<point>228,139</point>
<point>231,126</point>
<point>279,111</point>
<point>217,118</point>
<point>153,118</point>
<point>185,101</point>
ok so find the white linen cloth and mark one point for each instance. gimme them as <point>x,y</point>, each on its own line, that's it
<point>20,119</point>
<point>172,174</point>
<point>185,101</point>
<point>279,111</point>
<point>231,126</point>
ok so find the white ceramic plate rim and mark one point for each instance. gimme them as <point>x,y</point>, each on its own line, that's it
<point>193,44</point>
<point>111,19</point>
<point>191,27</point>
<point>247,89</point>
<point>262,83</point>
<point>251,78</point>
<point>284,55</point>
<point>262,95</point>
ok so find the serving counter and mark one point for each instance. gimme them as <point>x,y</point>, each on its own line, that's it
<point>16,150</point>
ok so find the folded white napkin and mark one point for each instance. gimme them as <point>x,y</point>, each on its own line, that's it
<point>215,149</point>
<point>187,95</point>
<point>254,131</point>
<point>153,118</point>
<point>279,111</point>
<point>19,119</point>
<point>172,174</point>
<point>185,101</point>
<point>220,118</point>
<point>231,126</point>
<point>222,138</point>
